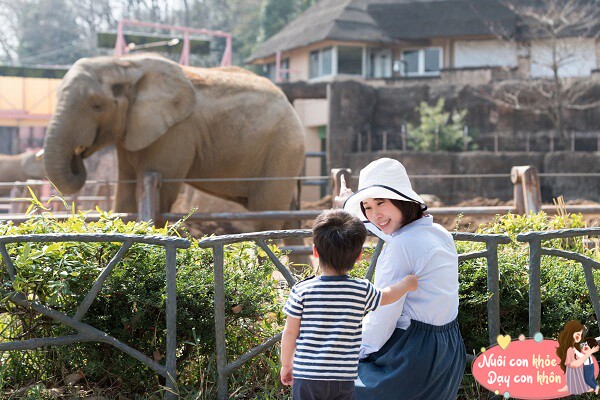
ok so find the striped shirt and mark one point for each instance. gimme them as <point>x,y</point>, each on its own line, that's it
<point>331,309</point>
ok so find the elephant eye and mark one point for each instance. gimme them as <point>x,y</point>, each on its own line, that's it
<point>97,107</point>
<point>118,89</point>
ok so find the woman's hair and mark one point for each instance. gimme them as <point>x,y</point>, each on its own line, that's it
<point>566,340</point>
<point>410,210</point>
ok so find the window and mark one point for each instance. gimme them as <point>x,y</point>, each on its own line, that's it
<point>350,60</point>
<point>326,67</point>
<point>381,63</point>
<point>321,63</point>
<point>314,64</point>
<point>422,62</point>
<point>270,70</point>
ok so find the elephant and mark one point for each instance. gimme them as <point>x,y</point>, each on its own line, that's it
<point>20,167</point>
<point>182,122</point>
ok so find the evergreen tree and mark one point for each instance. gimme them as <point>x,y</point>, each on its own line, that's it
<point>278,13</point>
<point>50,34</point>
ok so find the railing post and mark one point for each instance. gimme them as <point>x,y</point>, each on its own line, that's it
<point>527,194</point>
<point>149,197</point>
<point>221,350</point>
<point>535,300</point>
<point>493,304</point>
<point>336,176</point>
<point>171,310</point>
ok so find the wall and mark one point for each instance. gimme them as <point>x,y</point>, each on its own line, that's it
<point>578,57</point>
<point>313,113</point>
<point>452,191</point>
<point>475,53</point>
<point>360,113</point>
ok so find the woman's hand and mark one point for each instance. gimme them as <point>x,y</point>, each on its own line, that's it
<point>345,192</point>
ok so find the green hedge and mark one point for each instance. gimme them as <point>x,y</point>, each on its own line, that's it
<point>130,307</point>
<point>564,293</point>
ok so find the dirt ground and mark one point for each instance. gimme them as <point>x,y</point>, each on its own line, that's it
<point>466,223</point>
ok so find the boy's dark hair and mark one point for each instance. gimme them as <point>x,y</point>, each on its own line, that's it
<point>338,237</point>
<point>591,341</point>
<point>410,210</point>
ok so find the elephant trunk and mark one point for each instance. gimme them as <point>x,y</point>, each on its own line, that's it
<point>64,168</point>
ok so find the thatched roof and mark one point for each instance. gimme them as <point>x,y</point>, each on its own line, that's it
<point>394,21</point>
<point>326,20</point>
<point>414,20</point>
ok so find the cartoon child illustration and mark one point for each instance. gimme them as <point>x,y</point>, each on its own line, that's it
<point>573,356</point>
<point>588,364</point>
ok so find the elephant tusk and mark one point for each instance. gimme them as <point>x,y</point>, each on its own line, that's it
<point>39,155</point>
<point>79,150</point>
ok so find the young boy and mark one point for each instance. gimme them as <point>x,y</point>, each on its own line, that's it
<point>322,334</point>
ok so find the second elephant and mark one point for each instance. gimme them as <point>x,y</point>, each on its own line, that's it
<point>19,168</point>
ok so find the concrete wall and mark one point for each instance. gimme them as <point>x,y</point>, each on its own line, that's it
<point>361,113</point>
<point>452,191</point>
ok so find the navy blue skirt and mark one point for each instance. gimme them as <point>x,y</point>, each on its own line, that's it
<point>422,362</point>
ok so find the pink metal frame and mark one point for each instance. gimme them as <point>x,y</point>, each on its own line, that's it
<point>121,45</point>
<point>279,71</point>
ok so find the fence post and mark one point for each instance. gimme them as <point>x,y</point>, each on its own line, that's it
<point>527,194</point>
<point>107,193</point>
<point>403,134</point>
<point>149,197</point>
<point>14,207</point>
<point>336,175</point>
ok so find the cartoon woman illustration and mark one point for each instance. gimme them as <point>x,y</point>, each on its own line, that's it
<point>570,363</point>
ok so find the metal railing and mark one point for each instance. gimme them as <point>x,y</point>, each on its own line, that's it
<point>87,333</point>
<point>218,244</point>
<point>536,251</point>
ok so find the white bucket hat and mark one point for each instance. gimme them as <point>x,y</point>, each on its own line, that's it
<point>382,179</point>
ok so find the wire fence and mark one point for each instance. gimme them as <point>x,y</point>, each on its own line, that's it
<point>403,139</point>
<point>100,193</point>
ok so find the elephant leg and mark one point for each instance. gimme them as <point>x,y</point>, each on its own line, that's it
<point>125,190</point>
<point>268,197</point>
<point>271,196</point>
<point>168,195</point>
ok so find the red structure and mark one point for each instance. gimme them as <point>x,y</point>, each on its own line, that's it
<point>121,45</point>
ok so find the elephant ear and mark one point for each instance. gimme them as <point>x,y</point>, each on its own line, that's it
<point>163,97</point>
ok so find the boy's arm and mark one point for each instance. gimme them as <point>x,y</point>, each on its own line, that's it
<point>393,293</point>
<point>288,348</point>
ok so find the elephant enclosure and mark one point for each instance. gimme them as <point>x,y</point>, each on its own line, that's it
<point>465,223</point>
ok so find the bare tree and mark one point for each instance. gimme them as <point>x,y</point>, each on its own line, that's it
<point>563,30</point>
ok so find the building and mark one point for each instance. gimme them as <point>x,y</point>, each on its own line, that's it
<point>414,38</point>
<point>397,43</point>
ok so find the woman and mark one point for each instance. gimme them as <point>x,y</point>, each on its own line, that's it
<point>572,356</point>
<point>411,349</point>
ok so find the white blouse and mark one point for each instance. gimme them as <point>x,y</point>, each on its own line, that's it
<point>424,249</point>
